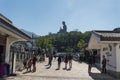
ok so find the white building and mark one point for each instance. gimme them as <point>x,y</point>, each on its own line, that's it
<point>107,43</point>
<point>9,34</point>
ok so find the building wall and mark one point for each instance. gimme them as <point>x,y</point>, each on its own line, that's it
<point>114,69</point>
<point>110,56</point>
<point>118,57</point>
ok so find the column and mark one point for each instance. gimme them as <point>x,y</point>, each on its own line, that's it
<point>118,61</point>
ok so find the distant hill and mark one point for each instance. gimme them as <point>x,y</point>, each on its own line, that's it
<point>30,33</point>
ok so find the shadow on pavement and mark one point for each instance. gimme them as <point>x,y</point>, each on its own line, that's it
<point>99,76</point>
<point>48,67</point>
<point>57,69</point>
<point>26,72</point>
<point>2,79</point>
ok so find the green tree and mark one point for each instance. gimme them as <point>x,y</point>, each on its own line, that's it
<point>64,42</point>
<point>81,43</point>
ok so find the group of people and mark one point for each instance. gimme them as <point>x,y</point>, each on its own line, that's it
<point>29,63</point>
<point>67,59</point>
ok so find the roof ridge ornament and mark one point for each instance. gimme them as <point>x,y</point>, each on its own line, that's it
<point>117,30</point>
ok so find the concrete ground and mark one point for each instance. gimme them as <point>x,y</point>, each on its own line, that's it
<point>79,71</point>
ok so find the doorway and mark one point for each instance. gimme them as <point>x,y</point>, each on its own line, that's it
<point>2,54</point>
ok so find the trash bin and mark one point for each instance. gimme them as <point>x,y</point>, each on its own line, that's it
<point>7,69</point>
<point>2,70</point>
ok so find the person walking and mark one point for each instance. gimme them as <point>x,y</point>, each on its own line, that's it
<point>59,62</point>
<point>104,64</point>
<point>34,63</point>
<point>50,60</point>
<point>29,65</point>
<point>90,62</point>
<point>70,60</point>
<point>66,61</point>
<point>54,55</point>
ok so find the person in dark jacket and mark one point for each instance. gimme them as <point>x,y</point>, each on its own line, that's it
<point>104,65</point>
<point>70,60</point>
<point>50,60</point>
<point>90,62</point>
<point>59,62</point>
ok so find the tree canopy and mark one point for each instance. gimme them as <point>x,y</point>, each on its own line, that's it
<point>72,41</point>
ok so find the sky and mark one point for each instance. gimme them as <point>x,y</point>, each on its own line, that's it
<point>44,16</point>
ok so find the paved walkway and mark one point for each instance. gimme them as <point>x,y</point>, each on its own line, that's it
<point>79,71</point>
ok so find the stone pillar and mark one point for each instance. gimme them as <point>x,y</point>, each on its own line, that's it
<point>101,58</point>
<point>14,62</point>
<point>7,50</point>
<point>118,61</point>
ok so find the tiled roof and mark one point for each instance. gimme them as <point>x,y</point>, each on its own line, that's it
<point>9,26</point>
<point>108,35</point>
<point>4,18</point>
